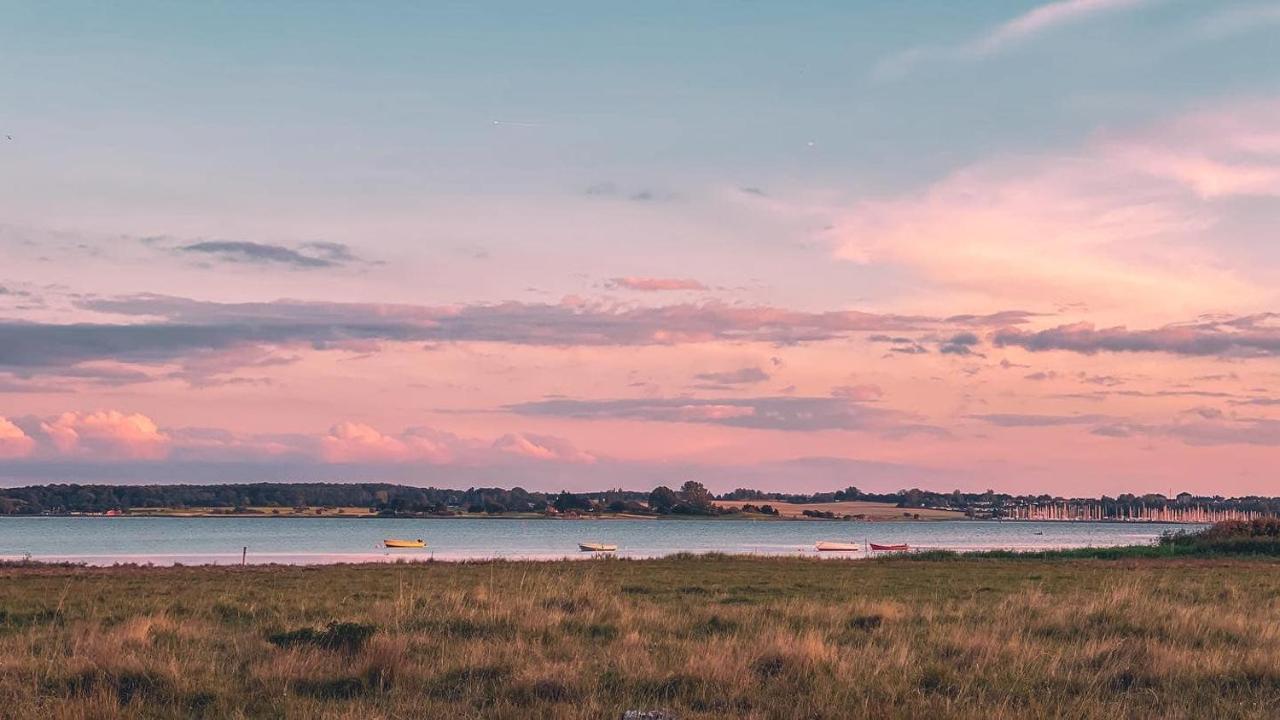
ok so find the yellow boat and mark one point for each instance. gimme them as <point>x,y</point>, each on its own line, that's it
<point>393,543</point>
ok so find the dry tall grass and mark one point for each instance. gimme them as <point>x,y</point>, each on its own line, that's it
<point>698,637</point>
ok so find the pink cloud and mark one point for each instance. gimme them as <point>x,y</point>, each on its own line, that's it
<point>1207,176</point>
<point>712,413</point>
<point>350,442</point>
<point>1233,151</point>
<point>542,447</point>
<point>1257,335</point>
<point>114,435</point>
<point>654,284</point>
<point>106,433</point>
<point>217,444</point>
<point>220,339</point>
<point>741,376</point>
<point>864,393</point>
<point>1126,223</point>
<point>14,443</point>
<point>357,442</point>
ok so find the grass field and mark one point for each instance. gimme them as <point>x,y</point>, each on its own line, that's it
<point>869,510</point>
<point>707,637</point>
<point>790,511</point>
<point>311,511</point>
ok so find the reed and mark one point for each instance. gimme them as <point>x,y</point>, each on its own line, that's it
<point>698,637</point>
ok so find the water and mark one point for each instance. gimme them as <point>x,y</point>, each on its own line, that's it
<point>215,540</point>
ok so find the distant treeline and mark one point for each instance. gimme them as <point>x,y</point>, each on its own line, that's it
<point>690,498</point>
<point>993,504</point>
<point>383,498</point>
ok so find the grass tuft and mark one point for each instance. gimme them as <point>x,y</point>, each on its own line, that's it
<point>347,636</point>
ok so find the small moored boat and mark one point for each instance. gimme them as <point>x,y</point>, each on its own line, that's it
<point>596,547</point>
<point>394,543</point>
<point>834,546</point>
<point>891,548</point>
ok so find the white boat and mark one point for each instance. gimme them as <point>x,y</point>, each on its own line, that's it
<point>597,547</point>
<point>835,546</point>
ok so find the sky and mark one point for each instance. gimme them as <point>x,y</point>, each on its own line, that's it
<point>1021,246</point>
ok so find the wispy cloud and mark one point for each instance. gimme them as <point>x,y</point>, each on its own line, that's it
<point>1034,420</point>
<point>741,376</point>
<point>1205,431</point>
<point>795,414</point>
<point>655,284</point>
<point>1238,20</point>
<point>1044,18</point>
<point>1129,221</point>
<point>1010,33</point>
<point>642,195</point>
<point>306,256</point>
<point>861,393</point>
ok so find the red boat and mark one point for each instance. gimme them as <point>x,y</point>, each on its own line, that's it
<point>891,548</point>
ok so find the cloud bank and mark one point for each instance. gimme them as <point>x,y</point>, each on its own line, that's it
<point>1248,336</point>
<point>114,436</point>
<point>166,328</point>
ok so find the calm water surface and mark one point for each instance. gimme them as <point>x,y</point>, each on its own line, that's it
<point>98,540</point>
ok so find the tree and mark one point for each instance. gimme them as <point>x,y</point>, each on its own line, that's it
<point>663,500</point>
<point>567,501</point>
<point>696,496</point>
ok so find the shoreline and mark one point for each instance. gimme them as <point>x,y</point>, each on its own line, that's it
<point>429,556</point>
<point>673,518</point>
<point>1140,554</point>
<point>349,516</point>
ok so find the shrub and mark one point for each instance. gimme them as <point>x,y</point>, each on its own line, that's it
<point>343,688</point>
<point>348,637</point>
<point>481,681</point>
<point>714,625</point>
<point>145,686</point>
<point>865,622</point>
<point>769,665</point>
<point>1260,536</point>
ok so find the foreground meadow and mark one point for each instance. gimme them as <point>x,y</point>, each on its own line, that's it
<point>706,637</point>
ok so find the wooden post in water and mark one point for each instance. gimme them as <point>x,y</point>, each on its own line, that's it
<point>244,555</point>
